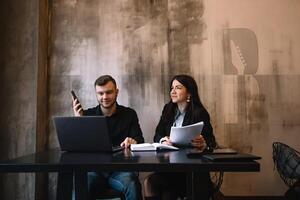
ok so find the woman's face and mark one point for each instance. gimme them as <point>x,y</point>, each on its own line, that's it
<point>178,93</point>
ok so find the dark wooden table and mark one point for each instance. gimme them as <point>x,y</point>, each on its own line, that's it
<point>69,165</point>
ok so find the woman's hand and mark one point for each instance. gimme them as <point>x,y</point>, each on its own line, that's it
<point>199,142</point>
<point>166,140</point>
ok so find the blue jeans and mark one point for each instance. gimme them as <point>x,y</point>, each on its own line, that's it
<point>125,182</point>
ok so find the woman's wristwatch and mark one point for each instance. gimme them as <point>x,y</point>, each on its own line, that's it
<point>209,149</point>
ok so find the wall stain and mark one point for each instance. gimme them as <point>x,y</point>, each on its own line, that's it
<point>73,23</point>
<point>155,38</point>
<point>175,24</point>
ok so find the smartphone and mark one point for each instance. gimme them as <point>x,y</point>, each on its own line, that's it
<point>74,95</point>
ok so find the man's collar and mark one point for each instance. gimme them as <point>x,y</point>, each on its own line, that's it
<point>99,111</point>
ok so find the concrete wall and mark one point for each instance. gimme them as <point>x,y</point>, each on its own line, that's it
<point>18,62</point>
<point>258,42</point>
<point>243,55</point>
<point>243,58</point>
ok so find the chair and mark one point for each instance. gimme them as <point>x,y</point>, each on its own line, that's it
<point>287,163</point>
<point>217,180</point>
<point>110,193</point>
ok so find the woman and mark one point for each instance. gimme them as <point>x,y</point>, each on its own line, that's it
<point>184,108</point>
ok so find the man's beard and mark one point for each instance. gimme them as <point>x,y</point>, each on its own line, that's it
<point>108,106</point>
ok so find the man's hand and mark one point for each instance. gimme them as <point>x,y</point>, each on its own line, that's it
<point>199,142</point>
<point>127,142</point>
<point>77,108</point>
<point>166,140</point>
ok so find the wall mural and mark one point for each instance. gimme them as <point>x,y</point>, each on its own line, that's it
<point>245,108</point>
<point>244,59</point>
<point>143,43</point>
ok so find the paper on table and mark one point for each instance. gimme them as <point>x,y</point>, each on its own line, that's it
<point>151,147</point>
<point>185,134</point>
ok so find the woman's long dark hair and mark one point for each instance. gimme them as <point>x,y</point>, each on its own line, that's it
<point>191,86</point>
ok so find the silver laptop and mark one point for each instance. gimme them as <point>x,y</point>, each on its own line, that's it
<point>84,134</point>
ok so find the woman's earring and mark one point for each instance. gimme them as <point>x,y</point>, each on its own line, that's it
<point>188,99</point>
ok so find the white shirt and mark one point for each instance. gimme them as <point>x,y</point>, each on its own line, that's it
<point>179,117</point>
<point>178,120</point>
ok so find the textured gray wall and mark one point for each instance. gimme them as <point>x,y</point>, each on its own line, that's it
<point>18,61</point>
<point>243,59</point>
<point>256,52</point>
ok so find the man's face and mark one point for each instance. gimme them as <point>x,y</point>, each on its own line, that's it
<point>106,94</point>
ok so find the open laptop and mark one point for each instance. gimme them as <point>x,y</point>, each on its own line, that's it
<point>84,134</point>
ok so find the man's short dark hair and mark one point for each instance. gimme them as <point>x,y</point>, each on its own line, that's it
<point>103,80</point>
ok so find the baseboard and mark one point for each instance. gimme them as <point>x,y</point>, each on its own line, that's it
<point>220,196</point>
<point>255,198</point>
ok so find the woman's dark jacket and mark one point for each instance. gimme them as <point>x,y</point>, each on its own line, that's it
<point>199,114</point>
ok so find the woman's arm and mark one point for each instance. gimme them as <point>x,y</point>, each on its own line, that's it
<point>207,131</point>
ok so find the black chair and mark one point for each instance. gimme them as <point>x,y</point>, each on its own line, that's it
<point>287,162</point>
<point>217,180</point>
<point>110,193</point>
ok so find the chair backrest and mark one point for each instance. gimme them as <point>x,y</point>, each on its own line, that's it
<point>287,162</point>
<point>217,180</point>
<point>110,193</point>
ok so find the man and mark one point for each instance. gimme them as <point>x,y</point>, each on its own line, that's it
<point>125,130</point>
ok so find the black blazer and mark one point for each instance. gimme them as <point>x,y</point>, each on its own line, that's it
<point>199,114</point>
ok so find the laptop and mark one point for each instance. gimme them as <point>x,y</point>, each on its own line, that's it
<point>231,157</point>
<point>84,134</point>
<point>196,153</point>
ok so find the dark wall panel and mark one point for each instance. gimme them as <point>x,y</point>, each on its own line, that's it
<point>18,60</point>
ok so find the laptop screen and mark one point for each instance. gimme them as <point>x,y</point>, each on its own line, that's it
<point>83,134</point>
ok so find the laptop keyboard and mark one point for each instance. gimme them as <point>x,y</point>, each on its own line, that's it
<point>117,148</point>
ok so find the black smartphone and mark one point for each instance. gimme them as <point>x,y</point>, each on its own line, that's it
<point>74,95</point>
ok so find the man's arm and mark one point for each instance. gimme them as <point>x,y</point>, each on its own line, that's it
<point>127,142</point>
<point>135,131</point>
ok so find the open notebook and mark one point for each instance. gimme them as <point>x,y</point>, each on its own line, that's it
<point>151,147</point>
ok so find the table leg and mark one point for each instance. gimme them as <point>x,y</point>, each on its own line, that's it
<point>197,186</point>
<point>64,186</point>
<point>81,185</point>
<point>190,186</point>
